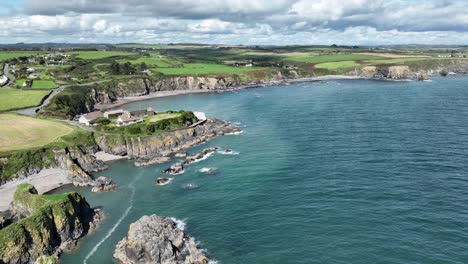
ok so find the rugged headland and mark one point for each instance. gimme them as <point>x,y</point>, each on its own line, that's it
<point>49,224</point>
<point>155,239</point>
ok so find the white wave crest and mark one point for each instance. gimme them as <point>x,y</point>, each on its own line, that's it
<point>117,224</point>
<point>234,133</point>
<point>181,224</point>
<point>228,152</point>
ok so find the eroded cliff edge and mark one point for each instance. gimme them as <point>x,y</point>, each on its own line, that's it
<point>50,224</point>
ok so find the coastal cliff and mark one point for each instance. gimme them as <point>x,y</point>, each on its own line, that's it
<point>52,223</point>
<point>78,161</point>
<point>151,147</point>
<point>155,239</point>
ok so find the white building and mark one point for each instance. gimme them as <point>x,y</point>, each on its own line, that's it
<point>114,113</point>
<point>87,118</point>
<point>3,80</point>
<point>126,119</point>
<point>200,115</point>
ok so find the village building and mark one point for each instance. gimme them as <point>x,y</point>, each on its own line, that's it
<point>33,76</point>
<point>143,113</point>
<point>126,119</point>
<point>114,113</point>
<point>89,117</point>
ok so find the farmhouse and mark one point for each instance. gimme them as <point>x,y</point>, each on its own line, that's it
<point>89,117</point>
<point>126,119</point>
<point>114,113</point>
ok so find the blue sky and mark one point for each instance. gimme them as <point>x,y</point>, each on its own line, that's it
<point>352,22</point>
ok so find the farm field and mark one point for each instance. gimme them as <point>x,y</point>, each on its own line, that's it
<point>6,55</point>
<point>204,68</point>
<point>15,99</point>
<point>153,61</point>
<point>21,132</point>
<point>43,84</point>
<point>331,58</point>
<point>94,55</point>
<point>337,65</point>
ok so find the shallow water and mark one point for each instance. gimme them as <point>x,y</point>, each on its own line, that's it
<point>328,172</point>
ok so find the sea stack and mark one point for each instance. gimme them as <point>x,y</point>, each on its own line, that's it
<point>156,239</point>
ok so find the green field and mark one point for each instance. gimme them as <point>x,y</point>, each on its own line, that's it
<point>94,55</point>
<point>153,61</point>
<point>331,58</point>
<point>163,116</point>
<point>43,84</point>
<point>337,65</point>
<point>21,132</point>
<point>6,55</point>
<point>19,83</point>
<point>15,99</point>
<point>204,68</point>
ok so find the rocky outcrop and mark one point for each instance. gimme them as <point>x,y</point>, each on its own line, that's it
<point>155,239</point>
<point>150,147</point>
<point>178,168</point>
<point>53,223</point>
<point>402,72</point>
<point>103,184</point>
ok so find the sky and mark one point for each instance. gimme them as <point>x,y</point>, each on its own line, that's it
<point>248,22</point>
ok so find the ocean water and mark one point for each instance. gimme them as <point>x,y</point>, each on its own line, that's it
<point>345,171</point>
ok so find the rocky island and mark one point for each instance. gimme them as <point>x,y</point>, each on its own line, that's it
<point>156,239</point>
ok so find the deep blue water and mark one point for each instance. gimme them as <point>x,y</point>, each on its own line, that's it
<point>328,172</point>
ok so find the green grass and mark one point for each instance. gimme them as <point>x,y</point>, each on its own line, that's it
<point>398,60</point>
<point>19,83</point>
<point>153,61</point>
<point>6,55</point>
<point>331,58</point>
<point>204,68</point>
<point>21,132</point>
<point>16,99</point>
<point>94,55</point>
<point>43,84</point>
<point>337,65</point>
<point>162,116</point>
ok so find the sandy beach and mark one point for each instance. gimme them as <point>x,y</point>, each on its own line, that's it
<point>44,181</point>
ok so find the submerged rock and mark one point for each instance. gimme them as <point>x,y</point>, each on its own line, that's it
<point>156,239</point>
<point>163,181</point>
<point>200,156</point>
<point>174,169</point>
<point>104,184</point>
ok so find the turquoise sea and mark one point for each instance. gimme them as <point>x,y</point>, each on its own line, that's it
<point>348,171</point>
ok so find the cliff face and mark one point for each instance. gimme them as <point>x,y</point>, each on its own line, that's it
<point>155,239</point>
<point>164,144</point>
<point>78,161</point>
<point>393,72</point>
<point>53,223</point>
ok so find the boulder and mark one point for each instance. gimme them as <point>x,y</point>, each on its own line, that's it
<point>103,184</point>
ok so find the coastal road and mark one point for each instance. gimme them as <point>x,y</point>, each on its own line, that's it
<point>33,110</point>
<point>11,77</point>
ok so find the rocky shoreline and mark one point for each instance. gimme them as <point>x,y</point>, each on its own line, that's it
<point>392,73</point>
